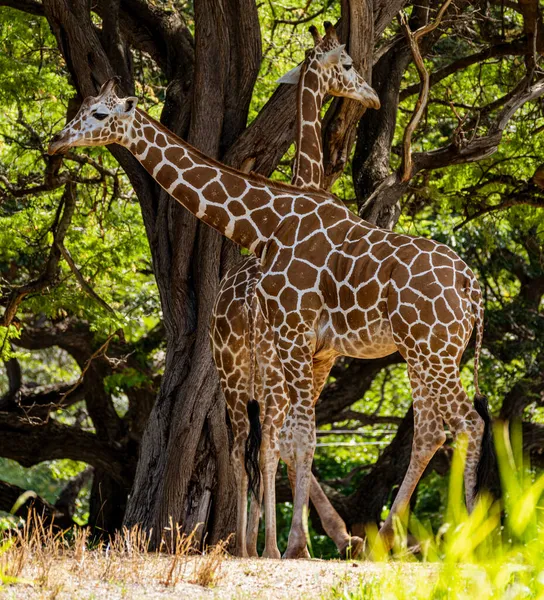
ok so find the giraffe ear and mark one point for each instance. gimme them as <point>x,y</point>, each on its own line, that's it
<point>332,57</point>
<point>291,77</point>
<point>130,104</point>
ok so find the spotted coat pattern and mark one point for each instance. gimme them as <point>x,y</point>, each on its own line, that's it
<point>331,284</point>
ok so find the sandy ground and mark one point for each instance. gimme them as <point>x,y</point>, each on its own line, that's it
<point>98,577</point>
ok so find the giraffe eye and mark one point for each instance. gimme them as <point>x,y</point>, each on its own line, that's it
<point>348,67</point>
<point>100,116</point>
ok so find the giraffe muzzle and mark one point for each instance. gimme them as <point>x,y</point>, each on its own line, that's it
<point>370,97</point>
<point>58,144</point>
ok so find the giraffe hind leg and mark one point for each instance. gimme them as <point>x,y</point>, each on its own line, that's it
<point>465,421</point>
<point>429,436</point>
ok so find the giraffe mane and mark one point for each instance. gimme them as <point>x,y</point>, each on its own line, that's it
<point>250,177</point>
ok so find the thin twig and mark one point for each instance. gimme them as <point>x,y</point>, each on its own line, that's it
<point>423,98</point>
<point>86,287</point>
<point>102,350</point>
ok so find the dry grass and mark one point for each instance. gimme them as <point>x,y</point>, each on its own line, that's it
<point>49,565</point>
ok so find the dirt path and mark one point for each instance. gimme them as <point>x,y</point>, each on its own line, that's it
<point>98,577</point>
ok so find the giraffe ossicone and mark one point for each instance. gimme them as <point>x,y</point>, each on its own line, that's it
<point>331,285</point>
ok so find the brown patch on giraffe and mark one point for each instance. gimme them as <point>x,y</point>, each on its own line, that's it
<point>287,232</point>
<point>256,198</point>
<point>311,80</point>
<point>302,275</point>
<point>149,134</point>
<point>179,158</point>
<point>189,197</point>
<point>140,147</point>
<point>304,206</point>
<point>316,249</point>
<point>441,259</point>
<point>407,254</point>
<point>316,173</point>
<point>443,311</point>
<point>366,296</point>
<point>341,265</point>
<point>340,323</point>
<point>305,171</point>
<point>289,299</point>
<point>336,233</point>
<point>283,205</point>
<point>283,259</point>
<point>308,225</point>
<point>356,319</point>
<point>244,231</point>
<point>426,245</point>
<point>422,265</point>
<point>445,276</point>
<point>234,184</point>
<point>214,192</point>
<point>328,286</point>
<point>419,331</point>
<point>216,216</point>
<point>312,301</point>
<point>309,107</point>
<point>236,208</point>
<point>166,176</point>
<point>152,159</point>
<point>347,298</point>
<point>198,176</point>
<point>272,284</point>
<point>268,221</point>
<point>161,140</point>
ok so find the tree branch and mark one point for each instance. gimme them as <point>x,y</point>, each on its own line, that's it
<point>32,7</point>
<point>421,104</point>
<point>29,444</point>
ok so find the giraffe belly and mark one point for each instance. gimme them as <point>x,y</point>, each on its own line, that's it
<point>358,339</point>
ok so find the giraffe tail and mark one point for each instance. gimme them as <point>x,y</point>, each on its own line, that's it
<point>254,438</point>
<point>487,473</point>
<point>253,447</point>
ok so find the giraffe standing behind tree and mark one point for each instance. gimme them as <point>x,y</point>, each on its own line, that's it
<point>242,341</point>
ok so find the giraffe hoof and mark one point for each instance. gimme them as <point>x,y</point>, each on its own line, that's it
<point>353,549</point>
<point>275,553</point>
<point>294,553</point>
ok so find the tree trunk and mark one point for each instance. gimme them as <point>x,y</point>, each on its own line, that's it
<point>184,472</point>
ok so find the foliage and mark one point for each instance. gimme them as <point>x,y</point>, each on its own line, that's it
<point>495,552</point>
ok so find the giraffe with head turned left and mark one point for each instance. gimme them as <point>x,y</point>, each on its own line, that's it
<point>331,285</point>
<point>242,341</point>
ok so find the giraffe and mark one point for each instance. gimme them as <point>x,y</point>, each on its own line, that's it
<point>236,317</point>
<point>332,284</point>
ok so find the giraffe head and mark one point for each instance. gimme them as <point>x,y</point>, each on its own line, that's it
<point>333,66</point>
<point>103,119</point>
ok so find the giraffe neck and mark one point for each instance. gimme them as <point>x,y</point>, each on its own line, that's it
<point>237,205</point>
<point>308,170</point>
